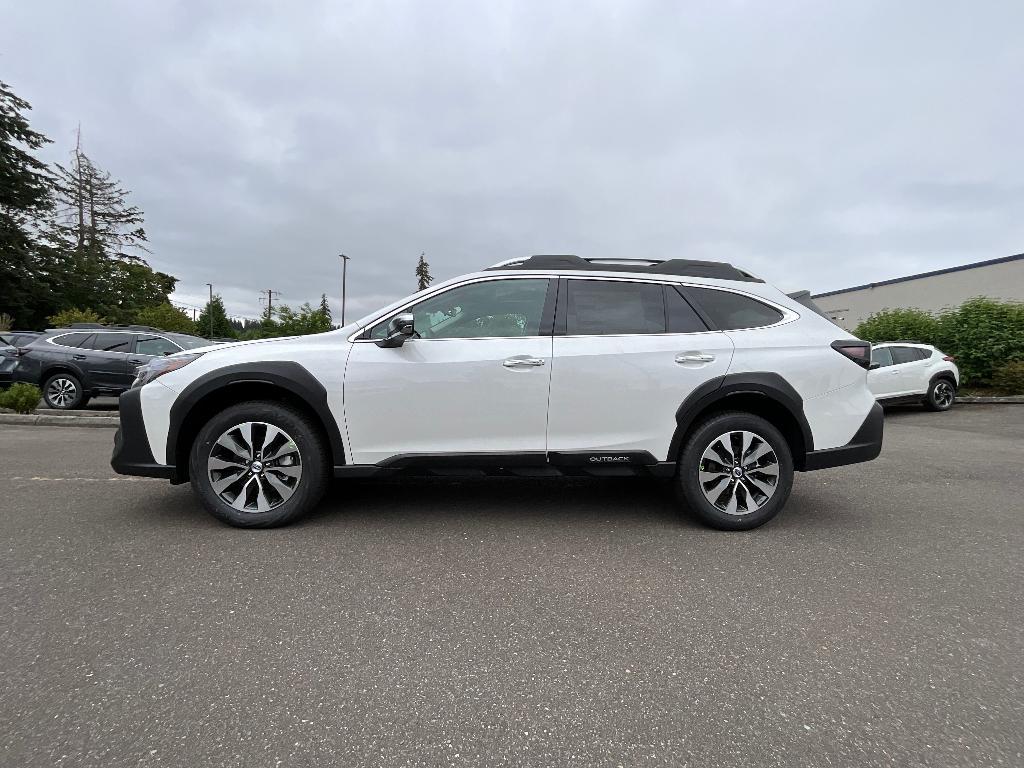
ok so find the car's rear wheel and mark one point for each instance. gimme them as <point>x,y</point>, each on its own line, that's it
<point>259,465</point>
<point>735,471</point>
<point>63,391</point>
<point>941,395</point>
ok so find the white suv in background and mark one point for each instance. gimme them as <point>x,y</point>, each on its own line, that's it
<point>908,372</point>
<point>543,366</point>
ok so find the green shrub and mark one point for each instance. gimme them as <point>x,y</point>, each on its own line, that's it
<point>894,324</point>
<point>1010,378</point>
<point>983,335</point>
<point>21,398</point>
<point>66,317</point>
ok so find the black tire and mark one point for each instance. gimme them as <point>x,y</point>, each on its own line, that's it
<point>941,395</point>
<point>726,489</point>
<point>306,442</point>
<point>63,391</point>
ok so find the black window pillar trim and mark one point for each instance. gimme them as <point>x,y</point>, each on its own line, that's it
<point>690,298</point>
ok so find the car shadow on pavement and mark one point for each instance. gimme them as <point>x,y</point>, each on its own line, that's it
<point>634,502</point>
<point>501,498</point>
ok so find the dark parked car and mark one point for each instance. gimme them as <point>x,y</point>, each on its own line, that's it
<point>73,364</point>
<point>9,343</point>
<point>19,338</point>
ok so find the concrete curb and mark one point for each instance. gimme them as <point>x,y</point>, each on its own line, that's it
<point>1009,399</point>
<point>46,420</point>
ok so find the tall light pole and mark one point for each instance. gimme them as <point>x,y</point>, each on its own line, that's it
<point>344,273</point>
<point>210,310</point>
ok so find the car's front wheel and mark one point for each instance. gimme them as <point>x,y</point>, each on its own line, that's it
<point>735,471</point>
<point>63,391</point>
<point>259,465</point>
<point>941,395</point>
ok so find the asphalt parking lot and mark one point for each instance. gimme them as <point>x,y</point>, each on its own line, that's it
<point>877,621</point>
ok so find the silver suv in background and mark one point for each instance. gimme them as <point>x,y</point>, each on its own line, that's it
<point>909,372</point>
<point>71,365</point>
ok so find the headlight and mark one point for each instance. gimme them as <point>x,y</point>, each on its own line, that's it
<point>156,368</point>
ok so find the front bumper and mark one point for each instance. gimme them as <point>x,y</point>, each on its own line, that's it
<point>865,445</point>
<point>132,455</point>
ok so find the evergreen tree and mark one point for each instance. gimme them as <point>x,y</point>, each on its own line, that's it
<point>93,214</point>
<point>325,309</point>
<point>25,200</point>
<point>221,328</point>
<point>423,276</point>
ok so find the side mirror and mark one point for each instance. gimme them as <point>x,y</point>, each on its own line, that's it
<point>400,330</point>
<point>874,365</point>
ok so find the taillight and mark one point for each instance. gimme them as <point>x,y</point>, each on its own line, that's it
<point>858,351</point>
<point>949,359</point>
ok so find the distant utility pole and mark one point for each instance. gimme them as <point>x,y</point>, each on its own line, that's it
<point>211,309</point>
<point>344,273</point>
<point>270,301</point>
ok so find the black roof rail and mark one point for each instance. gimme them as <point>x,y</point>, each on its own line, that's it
<point>718,270</point>
<point>110,327</point>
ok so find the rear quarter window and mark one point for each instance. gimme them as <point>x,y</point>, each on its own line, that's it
<point>70,339</point>
<point>733,311</point>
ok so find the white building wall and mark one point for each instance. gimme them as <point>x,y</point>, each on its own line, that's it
<point>1003,281</point>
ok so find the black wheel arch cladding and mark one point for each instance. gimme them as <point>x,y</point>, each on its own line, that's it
<point>285,375</point>
<point>721,388</point>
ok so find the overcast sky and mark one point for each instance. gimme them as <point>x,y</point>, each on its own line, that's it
<point>819,145</point>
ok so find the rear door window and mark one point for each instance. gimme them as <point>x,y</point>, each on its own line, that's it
<point>732,311</point>
<point>112,342</point>
<point>613,307</point>
<point>902,355</point>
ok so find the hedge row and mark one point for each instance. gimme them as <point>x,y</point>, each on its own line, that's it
<point>982,334</point>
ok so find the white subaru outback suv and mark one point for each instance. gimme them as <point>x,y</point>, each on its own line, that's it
<point>542,366</point>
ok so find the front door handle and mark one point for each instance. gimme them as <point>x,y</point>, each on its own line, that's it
<point>522,361</point>
<point>79,357</point>
<point>695,357</point>
<point>137,362</point>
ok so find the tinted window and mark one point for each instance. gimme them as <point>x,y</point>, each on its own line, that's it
<point>70,339</point>
<point>111,342</point>
<point>681,317</point>
<point>882,356</point>
<point>596,307</point>
<point>494,308</point>
<point>907,354</point>
<point>731,311</point>
<point>155,346</point>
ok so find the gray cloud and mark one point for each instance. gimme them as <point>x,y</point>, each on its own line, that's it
<point>819,145</point>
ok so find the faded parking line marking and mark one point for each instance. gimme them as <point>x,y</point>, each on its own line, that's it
<point>87,479</point>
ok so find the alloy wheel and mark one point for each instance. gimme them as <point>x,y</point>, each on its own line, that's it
<point>943,394</point>
<point>254,466</point>
<point>738,472</point>
<point>61,392</point>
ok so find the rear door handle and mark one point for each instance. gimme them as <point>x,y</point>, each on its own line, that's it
<point>694,357</point>
<point>522,362</point>
<point>138,362</point>
<point>79,357</point>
